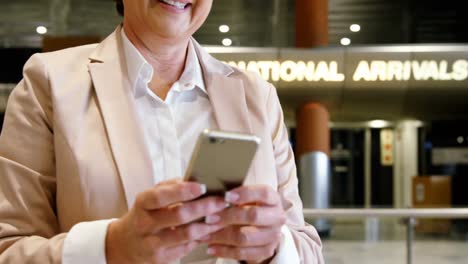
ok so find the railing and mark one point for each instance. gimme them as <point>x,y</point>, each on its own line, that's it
<point>407,214</point>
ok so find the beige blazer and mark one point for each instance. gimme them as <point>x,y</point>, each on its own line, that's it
<point>71,149</point>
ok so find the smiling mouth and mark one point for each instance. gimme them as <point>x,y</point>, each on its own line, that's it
<point>176,4</point>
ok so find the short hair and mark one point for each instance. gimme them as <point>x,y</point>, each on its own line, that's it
<point>120,6</point>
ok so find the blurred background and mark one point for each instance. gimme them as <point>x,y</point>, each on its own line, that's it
<point>375,97</point>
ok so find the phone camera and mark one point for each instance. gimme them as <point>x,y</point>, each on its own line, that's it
<point>214,140</point>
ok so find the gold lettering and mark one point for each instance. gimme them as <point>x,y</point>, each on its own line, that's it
<point>362,72</point>
<point>407,70</point>
<point>288,71</point>
<point>419,69</point>
<point>443,74</point>
<point>334,75</point>
<point>321,72</point>
<point>275,71</point>
<point>432,71</point>
<point>305,71</point>
<point>265,67</point>
<point>395,70</point>
<point>379,70</point>
<point>460,70</point>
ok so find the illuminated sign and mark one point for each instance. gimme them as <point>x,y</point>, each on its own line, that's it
<point>386,147</point>
<point>290,71</point>
<point>418,70</point>
<point>366,71</point>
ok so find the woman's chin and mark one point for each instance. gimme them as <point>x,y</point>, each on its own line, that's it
<point>171,30</point>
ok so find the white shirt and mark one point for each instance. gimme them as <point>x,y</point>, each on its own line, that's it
<point>171,128</point>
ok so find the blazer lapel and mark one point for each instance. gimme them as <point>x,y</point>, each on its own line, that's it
<point>228,99</point>
<point>227,95</point>
<point>108,72</point>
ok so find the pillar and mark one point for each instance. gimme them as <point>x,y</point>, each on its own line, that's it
<point>313,150</point>
<point>313,133</point>
<point>311,23</point>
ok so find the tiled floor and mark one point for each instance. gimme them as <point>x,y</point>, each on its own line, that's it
<point>393,252</point>
<point>384,243</point>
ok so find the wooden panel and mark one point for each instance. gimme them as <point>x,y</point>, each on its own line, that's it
<point>58,43</point>
<point>432,192</point>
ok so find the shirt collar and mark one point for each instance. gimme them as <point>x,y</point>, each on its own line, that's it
<point>140,72</point>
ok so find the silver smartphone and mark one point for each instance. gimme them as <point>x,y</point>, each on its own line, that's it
<point>221,160</point>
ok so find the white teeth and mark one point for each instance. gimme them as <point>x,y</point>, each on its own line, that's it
<point>176,4</point>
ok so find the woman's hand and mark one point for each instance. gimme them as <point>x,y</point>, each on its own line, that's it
<point>252,226</point>
<point>160,227</point>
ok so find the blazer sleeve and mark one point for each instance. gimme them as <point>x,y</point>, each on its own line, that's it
<point>306,238</point>
<point>29,230</point>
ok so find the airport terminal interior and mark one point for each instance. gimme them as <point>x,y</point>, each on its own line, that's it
<point>374,94</point>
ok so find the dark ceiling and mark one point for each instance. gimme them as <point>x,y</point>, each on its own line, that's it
<point>251,21</point>
<point>399,21</point>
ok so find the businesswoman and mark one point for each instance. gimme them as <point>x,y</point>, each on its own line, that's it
<point>96,138</point>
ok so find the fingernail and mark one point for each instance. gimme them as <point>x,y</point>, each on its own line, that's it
<point>202,188</point>
<point>210,251</point>
<point>212,219</point>
<point>231,197</point>
<point>227,205</point>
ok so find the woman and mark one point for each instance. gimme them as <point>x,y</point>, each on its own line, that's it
<point>96,137</point>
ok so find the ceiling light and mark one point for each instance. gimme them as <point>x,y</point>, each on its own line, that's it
<point>378,124</point>
<point>224,28</point>
<point>345,41</point>
<point>355,28</point>
<point>227,42</point>
<point>41,30</point>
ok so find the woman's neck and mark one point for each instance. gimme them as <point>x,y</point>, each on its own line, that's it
<point>167,58</point>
